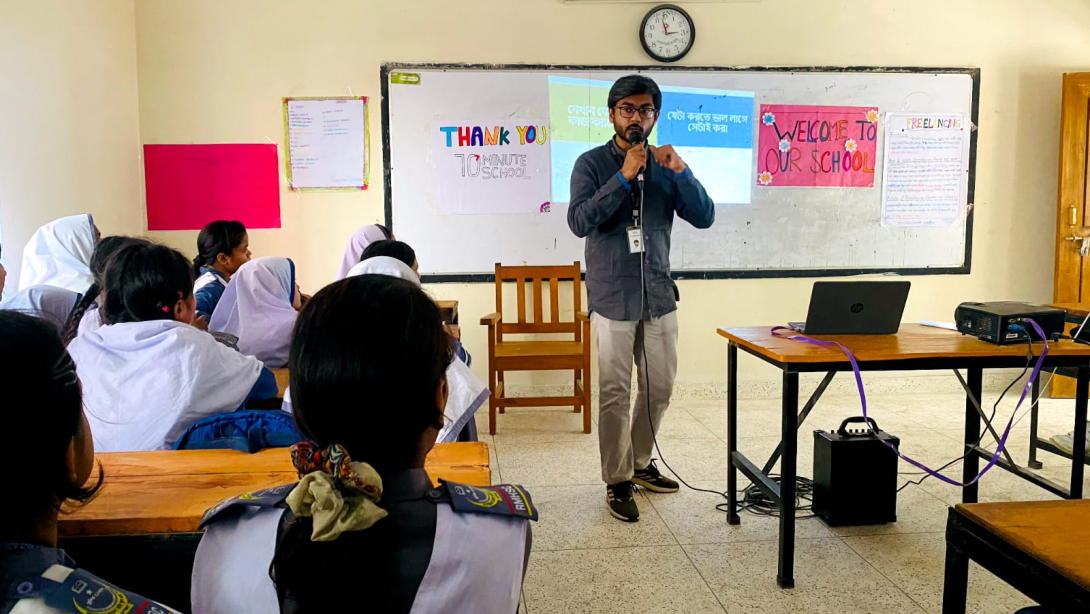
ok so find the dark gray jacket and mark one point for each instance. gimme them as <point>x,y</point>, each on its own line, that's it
<point>601,211</point>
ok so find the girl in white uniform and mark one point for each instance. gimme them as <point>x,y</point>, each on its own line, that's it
<point>59,254</point>
<point>87,317</point>
<point>148,374</point>
<point>365,530</point>
<point>259,307</point>
<point>49,303</point>
<point>222,247</point>
<point>51,451</point>
<point>357,243</point>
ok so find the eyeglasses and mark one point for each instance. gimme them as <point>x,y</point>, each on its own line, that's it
<point>628,112</point>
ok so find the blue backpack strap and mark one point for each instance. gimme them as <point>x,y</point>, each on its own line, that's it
<point>243,430</point>
<point>509,500</point>
<point>269,497</point>
<point>82,592</point>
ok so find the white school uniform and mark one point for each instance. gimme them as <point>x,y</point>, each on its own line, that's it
<point>59,254</point>
<point>357,243</point>
<point>91,320</point>
<point>257,308</point>
<point>48,303</point>
<point>145,383</point>
<point>477,564</point>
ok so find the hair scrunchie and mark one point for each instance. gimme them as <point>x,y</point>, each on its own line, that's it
<point>336,492</point>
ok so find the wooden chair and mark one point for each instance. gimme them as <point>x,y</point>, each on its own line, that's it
<point>506,356</point>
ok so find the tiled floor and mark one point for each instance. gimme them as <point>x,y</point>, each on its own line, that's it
<point>682,556</point>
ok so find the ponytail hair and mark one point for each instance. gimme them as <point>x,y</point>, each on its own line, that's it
<point>105,249</point>
<point>220,237</point>
<point>144,283</point>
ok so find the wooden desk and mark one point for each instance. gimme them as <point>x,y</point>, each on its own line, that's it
<point>169,491</point>
<point>914,348</point>
<point>449,311</point>
<point>151,503</point>
<point>283,377</point>
<point>1040,548</point>
<point>1061,387</point>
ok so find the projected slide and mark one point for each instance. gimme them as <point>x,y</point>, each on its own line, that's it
<point>712,130</point>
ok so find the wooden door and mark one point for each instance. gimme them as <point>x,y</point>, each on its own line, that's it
<point>1072,277</point>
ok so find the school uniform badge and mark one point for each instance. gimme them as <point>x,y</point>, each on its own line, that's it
<point>502,500</point>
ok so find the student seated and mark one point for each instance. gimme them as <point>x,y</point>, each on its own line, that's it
<point>59,254</point>
<point>222,247</point>
<point>49,303</point>
<point>55,457</point>
<point>468,392</point>
<point>393,249</point>
<point>148,375</point>
<point>364,529</point>
<point>259,307</point>
<point>360,239</point>
<point>86,317</point>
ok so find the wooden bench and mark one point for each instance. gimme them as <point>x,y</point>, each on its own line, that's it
<point>152,502</point>
<point>169,491</point>
<point>1042,548</point>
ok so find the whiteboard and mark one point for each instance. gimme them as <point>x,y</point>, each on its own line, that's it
<point>785,232</point>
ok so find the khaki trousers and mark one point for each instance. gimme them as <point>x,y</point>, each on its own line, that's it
<point>625,435</point>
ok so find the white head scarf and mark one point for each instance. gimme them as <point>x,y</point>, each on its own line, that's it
<point>356,244</point>
<point>45,302</point>
<point>145,383</point>
<point>385,265</point>
<point>257,308</point>
<point>59,254</point>
<point>467,392</point>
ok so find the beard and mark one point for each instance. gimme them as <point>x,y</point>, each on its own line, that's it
<point>626,130</point>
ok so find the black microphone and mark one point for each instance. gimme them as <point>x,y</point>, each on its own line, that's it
<point>636,138</point>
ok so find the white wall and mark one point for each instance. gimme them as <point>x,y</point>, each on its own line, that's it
<point>68,118</point>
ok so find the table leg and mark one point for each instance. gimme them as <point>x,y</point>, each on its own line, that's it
<point>1082,388</point>
<point>971,465</point>
<point>955,582</point>
<point>1035,397</point>
<point>789,431</point>
<point>732,434</point>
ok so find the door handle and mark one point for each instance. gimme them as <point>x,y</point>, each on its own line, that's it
<point>1084,246</point>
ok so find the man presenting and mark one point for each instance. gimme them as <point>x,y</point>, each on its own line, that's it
<point>632,299</point>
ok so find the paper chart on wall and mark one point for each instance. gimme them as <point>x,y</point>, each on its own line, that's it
<point>499,166</point>
<point>327,143</point>
<point>926,176</point>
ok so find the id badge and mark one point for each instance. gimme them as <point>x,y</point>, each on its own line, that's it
<point>635,240</point>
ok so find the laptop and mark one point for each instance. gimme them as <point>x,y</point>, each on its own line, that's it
<point>855,308</point>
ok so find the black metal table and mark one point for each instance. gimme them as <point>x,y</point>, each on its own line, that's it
<point>914,348</point>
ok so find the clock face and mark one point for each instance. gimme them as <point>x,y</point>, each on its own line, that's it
<point>667,33</point>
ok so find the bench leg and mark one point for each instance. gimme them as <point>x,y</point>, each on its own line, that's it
<point>502,408</point>
<point>956,581</point>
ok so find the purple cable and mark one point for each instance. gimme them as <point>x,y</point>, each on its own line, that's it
<point>863,399</point>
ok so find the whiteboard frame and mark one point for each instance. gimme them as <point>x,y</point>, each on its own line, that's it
<point>974,73</point>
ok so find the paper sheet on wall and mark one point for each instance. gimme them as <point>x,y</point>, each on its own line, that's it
<point>817,146</point>
<point>500,166</point>
<point>327,143</point>
<point>926,176</point>
<point>189,186</point>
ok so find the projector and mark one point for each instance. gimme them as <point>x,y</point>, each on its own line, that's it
<point>1004,323</point>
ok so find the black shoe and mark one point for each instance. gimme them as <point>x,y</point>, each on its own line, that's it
<point>652,480</point>
<point>621,503</point>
